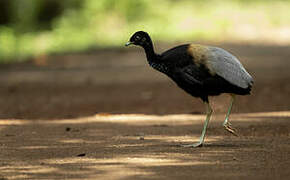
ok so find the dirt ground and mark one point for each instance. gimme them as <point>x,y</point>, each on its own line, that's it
<point>106,115</point>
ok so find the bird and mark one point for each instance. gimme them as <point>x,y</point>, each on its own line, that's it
<point>201,71</point>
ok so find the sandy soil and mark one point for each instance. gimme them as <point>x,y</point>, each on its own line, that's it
<point>107,115</point>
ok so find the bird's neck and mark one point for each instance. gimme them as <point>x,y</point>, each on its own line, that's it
<point>150,53</point>
<point>154,59</point>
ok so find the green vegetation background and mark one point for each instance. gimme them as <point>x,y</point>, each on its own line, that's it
<point>36,27</point>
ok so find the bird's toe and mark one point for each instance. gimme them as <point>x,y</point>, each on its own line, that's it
<point>230,129</point>
<point>192,145</point>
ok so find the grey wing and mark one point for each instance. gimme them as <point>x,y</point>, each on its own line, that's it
<point>229,67</point>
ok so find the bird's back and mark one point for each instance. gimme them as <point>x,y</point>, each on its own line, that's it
<point>205,70</point>
<point>177,55</point>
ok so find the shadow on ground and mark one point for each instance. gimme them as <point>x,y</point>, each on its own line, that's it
<point>119,81</point>
<point>112,147</point>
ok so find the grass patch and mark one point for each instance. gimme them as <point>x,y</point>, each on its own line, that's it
<point>109,23</point>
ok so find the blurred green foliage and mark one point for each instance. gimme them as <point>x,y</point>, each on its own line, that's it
<point>36,27</point>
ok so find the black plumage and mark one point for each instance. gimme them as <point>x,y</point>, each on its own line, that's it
<point>201,71</point>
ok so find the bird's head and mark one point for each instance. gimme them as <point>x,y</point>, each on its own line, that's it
<point>140,38</point>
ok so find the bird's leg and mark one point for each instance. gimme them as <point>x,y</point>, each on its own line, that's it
<point>201,139</point>
<point>226,123</point>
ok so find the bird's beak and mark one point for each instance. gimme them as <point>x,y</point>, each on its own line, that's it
<point>128,43</point>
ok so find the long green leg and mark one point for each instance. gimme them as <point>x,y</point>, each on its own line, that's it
<point>229,110</point>
<point>201,139</point>
<point>226,122</point>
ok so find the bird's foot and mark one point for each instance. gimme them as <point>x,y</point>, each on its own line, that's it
<point>199,144</point>
<point>229,128</point>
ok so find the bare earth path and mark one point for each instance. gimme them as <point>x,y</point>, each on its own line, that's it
<point>107,115</point>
